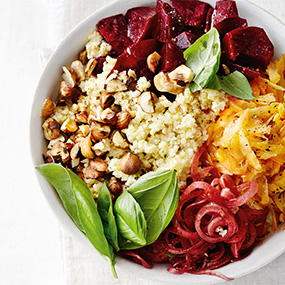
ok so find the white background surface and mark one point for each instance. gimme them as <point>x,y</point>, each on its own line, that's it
<point>34,249</point>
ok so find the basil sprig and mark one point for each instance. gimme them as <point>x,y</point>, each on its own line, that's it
<point>203,57</point>
<point>78,199</point>
<point>138,217</point>
<point>105,209</point>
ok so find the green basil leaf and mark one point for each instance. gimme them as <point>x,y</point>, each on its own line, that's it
<point>203,57</point>
<point>157,194</point>
<point>83,206</point>
<point>105,209</point>
<point>59,178</point>
<point>236,85</point>
<point>214,84</point>
<point>130,219</point>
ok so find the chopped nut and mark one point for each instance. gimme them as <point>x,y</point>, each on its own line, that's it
<point>75,162</point>
<point>52,142</point>
<point>115,85</point>
<point>91,172</point>
<point>123,120</point>
<point>119,141</point>
<point>81,118</point>
<point>181,75</point>
<point>147,102</point>
<point>67,92</point>
<point>85,129</point>
<point>48,158</point>
<point>130,164</point>
<point>116,108</point>
<point>95,113</point>
<point>115,186</point>
<point>99,164</point>
<point>100,131</point>
<point>106,100</point>
<point>75,151</point>
<point>69,126</point>
<point>59,151</point>
<point>90,66</point>
<point>163,83</point>
<point>226,69</point>
<point>153,61</point>
<point>47,108</point>
<point>83,56</point>
<point>85,146</point>
<point>108,116</point>
<point>51,129</point>
<point>78,69</point>
<point>69,76</point>
<point>69,144</point>
<point>78,137</point>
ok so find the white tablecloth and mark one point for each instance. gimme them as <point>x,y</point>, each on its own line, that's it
<point>34,249</point>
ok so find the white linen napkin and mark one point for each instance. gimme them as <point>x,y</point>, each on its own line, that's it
<point>81,267</point>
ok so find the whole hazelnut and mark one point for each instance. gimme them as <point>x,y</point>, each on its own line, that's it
<point>130,164</point>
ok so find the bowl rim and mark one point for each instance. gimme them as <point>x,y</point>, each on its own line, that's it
<point>50,195</point>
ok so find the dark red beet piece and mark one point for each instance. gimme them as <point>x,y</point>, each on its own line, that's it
<point>136,55</point>
<point>149,75</point>
<point>223,10</point>
<point>193,13</point>
<point>248,72</point>
<point>169,23</point>
<point>230,24</point>
<point>249,46</point>
<point>140,22</point>
<point>185,39</point>
<point>114,30</point>
<point>209,20</point>
<point>171,57</point>
<point>99,66</point>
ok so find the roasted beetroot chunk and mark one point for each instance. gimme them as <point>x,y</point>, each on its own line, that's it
<point>193,13</point>
<point>114,30</point>
<point>185,39</point>
<point>169,23</point>
<point>248,72</point>
<point>249,46</point>
<point>225,17</point>
<point>136,55</point>
<point>224,9</point>
<point>99,66</point>
<point>171,57</point>
<point>209,20</point>
<point>140,22</point>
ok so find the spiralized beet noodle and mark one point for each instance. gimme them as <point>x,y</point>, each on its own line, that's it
<point>212,225</point>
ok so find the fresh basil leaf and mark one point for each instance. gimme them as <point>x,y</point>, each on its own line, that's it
<point>236,85</point>
<point>105,209</point>
<point>59,178</point>
<point>203,57</point>
<point>214,84</point>
<point>130,219</point>
<point>83,206</point>
<point>157,194</point>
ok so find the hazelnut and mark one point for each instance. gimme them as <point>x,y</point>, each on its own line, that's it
<point>101,147</point>
<point>69,76</point>
<point>147,102</point>
<point>115,85</point>
<point>106,100</point>
<point>123,120</point>
<point>69,126</point>
<point>99,164</point>
<point>90,66</point>
<point>116,108</point>
<point>181,75</point>
<point>130,164</point>
<point>226,69</point>
<point>153,61</point>
<point>115,186</point>
<point>163,83</point>
<point>67,92</point>
<point>47,108</point>
<point>75,151</point>
<point>119,141</point>
<point>81,118</point>
<point>84,129</point>
<point>59,151</point>
<point>100,131</point>
<point>78,68</point>
<point>83,56</point>
<point>85,146</point>
<point>91,172</point>
<point>108,116</point>
<point>51,129</point>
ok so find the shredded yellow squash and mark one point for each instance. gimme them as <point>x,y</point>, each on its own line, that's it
<point>248,140</point>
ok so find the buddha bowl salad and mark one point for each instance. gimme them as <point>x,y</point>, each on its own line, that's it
<point>166,143</point>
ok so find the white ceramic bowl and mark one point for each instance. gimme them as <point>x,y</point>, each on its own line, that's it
<point>48,85</point>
